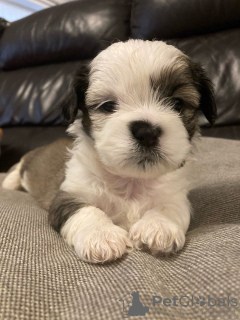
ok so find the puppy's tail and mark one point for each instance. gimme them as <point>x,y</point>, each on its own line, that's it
<point>13,179</point>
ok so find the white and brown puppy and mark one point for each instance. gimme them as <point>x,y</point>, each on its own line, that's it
<point>122,182</point>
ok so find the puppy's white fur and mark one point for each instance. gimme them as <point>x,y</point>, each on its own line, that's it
<point>13,180</point>
<point>150,204</point>
<point>94,236</point>
<point>155,211</point>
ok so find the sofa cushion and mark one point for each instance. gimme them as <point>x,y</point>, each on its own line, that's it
<point>169,19</point>
<point>74,30</point>
<point>225,132</point>
<point>34,95</point>
<point>42,278</point>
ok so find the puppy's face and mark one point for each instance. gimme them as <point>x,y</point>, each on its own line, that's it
<point>141,105</point>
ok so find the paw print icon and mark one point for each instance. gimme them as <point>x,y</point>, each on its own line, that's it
<point>201,301</point>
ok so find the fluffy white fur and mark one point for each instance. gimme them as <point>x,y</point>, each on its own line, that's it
<point>94,236</point>
<point>13,180</point>
<point>154,211</point>
<point>151,205</point>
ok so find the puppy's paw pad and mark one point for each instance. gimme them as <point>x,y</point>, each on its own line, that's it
<point>103,244</point>
<point>158,235</point>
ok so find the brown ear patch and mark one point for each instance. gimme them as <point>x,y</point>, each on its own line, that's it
<point>75,99</point>
<point>205,88</point>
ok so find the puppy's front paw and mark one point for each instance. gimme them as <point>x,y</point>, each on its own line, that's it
<point>102,244</point>
<point>159,235</point>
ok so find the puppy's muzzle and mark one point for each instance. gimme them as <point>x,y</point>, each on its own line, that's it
<point>145,133</point>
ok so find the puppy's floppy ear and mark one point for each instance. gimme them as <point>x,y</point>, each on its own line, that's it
<point>75,99</point>
<point>205,87</point>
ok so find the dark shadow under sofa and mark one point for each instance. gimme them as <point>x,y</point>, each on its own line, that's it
<point>40,276</point>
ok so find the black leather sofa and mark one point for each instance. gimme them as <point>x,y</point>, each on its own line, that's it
<point>39,53</point>
<point>40,276</point>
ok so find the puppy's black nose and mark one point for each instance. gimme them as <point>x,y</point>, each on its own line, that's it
<point>146,134</point>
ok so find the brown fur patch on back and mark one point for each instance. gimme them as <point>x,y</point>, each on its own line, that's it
<point>43,170</point>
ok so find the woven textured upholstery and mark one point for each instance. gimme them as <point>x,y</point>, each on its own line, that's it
<point>42,278</point>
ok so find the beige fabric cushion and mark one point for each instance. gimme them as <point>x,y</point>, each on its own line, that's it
<point>42,278</point>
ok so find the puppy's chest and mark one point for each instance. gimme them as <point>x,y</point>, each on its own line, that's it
<point>126,201</point>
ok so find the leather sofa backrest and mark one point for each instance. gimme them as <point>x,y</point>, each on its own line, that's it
<point>206,30</point>
<point>46,43</point>
<point>167,19</point>
<point>75,30</point>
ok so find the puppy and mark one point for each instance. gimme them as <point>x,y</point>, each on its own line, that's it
<point>122,182</point>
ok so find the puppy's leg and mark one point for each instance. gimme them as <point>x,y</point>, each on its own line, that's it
<point>88,229</point>
<point>162,229</point>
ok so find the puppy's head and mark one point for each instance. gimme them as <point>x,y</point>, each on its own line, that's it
<point>139,103</point>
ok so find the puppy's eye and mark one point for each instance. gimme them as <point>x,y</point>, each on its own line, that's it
<point>177,104</point>
<point>108,107</point>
